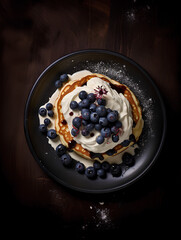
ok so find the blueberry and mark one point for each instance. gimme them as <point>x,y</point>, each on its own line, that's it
<point>92,107</point>
<point>101,101</point>
<point>96,165</point>
<point>58,83</point>
<point>74,132</point>
<point>108,110</point>
<point>115,138</point>
<point>103,121</point>
<point>63,77</point>
<point>112,117</point>
<point>98,127</point>
<point>90,172</point>
<point>114,129</point>
<point>80,167</point>
<point>80,105</point>
<point>100,139</point>
<point>84,122</point>
<point>101,173</point>
<point>116,170</point>
<point>43,128</point>
<point>83,95</point>
<point>85,132</point>
<point>105,165</point>
<point>118,124</point>
<point>85,103</point>
<point>76,122</point>
<point>101,111</point>
<point>110,152</point>
<point>91,97</point>
<point>66,160</point>
<point>42,111</point>
<point>85,114</point>
<point>90,127</point>
<point>105,132</point>
<point>52,134</point>
<point>61,149</point>
<point>128,159</point>
<point>49,106</point>
<point>47,121</point>
<point>94,117</point>
<point>125,143</point>
<point>74,105</point>
<point>50,113</point>
<point>132,138</point>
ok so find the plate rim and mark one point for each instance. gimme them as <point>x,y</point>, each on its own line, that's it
<point>64,183</point>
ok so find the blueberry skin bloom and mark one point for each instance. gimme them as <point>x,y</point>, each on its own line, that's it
<point>66,160</point>
<point>101,111</point>
<point>100,139</point>
<point>90,172</point>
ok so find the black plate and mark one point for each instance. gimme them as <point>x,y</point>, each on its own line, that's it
<point>117,67</point>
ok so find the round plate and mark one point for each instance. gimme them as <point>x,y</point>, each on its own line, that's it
<point>117,67</point>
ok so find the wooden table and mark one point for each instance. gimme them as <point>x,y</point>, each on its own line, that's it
<point>34,34</point>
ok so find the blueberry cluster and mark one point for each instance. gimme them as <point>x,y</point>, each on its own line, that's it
<point>99,169</point>
<point>51,133</point>
<point>94,115</point>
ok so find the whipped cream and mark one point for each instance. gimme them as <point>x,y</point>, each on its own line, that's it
<point>114,101</point>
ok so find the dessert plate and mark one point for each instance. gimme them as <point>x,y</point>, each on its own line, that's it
<point>117,67</point>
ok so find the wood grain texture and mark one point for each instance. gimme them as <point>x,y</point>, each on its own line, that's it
<point>34,34</point>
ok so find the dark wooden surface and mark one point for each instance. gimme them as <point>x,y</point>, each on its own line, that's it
<point>33,34</point>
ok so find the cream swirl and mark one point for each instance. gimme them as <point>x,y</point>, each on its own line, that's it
<point>114,101</point>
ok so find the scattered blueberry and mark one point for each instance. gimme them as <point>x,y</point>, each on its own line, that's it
<point>91,97</point>
<point>85,114</point>
<point>66,160</point>
<point>42,128</point>
<point>101,111</point>
<point>61,149</point>
<point>63,77</point>
<point>47,121</point>
<point>80,167</point>
<point>96,165</point>
<point>85,103</point>
<point>50,113</point>
<point>101,173</point>
<point>116,170</point>
<point>110,152</point>
<point>92,107</point>
<point>100,139</point>
<point>42,111</point>
<point>90,172</point>
<point>101,101</point>
<point>114,129</point>
<point>125,143</point>
<point>103,121</point>
<point>105,132</point>
<point>76,122</point>
<point>112,117</point>
<point>115,138</point>
<point>82,94</point>
<point>85,132</point>
<point>128,159</point>
<point>49,106</point>
<point>90,127</point>
<point>58,83</point>
<point>94,117</point>
<point>52,134</point>
<point>84,122</point>
<point>74,105</point>
<point>98,127</point>
<point>105,165</point>
<point>74,132</point>
<point>118,124</point>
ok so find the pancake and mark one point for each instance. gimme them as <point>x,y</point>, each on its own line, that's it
<point>63,130</point>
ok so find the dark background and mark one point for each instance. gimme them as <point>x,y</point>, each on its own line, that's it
<point>34,34</point>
